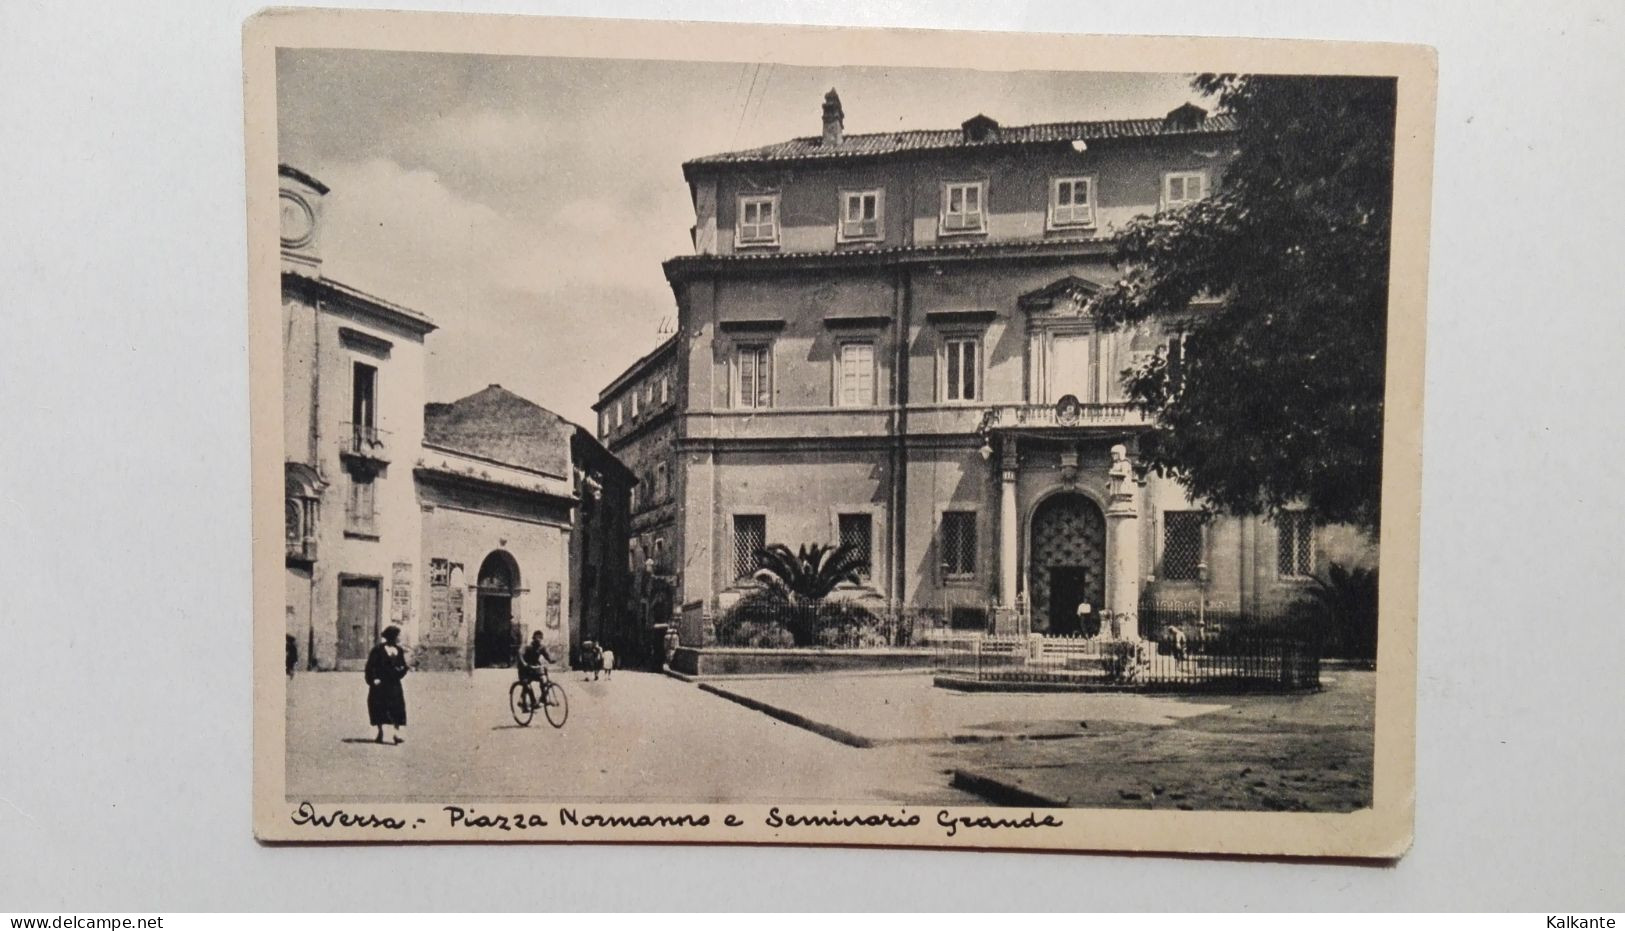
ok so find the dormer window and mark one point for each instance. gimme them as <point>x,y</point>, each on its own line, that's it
<point>758,220</point>
<point>861,215</point>
<point>1072,202</point>
<point>1183,187</point>
<point>963,207</point>
<point>980,128</point>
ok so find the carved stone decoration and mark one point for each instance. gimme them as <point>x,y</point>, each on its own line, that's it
<point>1069,467</point>
<point>1068,410</point>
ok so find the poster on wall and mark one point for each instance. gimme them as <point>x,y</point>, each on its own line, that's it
<point>554,601</point>
<point>1024,571</point>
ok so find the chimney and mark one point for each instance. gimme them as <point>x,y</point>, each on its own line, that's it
<point>300,209</point>
<point>834,119</point>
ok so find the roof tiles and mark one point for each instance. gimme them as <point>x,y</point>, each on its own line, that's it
<point>862,145</point>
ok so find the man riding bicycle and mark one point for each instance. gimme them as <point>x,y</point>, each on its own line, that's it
<point>531,660</point>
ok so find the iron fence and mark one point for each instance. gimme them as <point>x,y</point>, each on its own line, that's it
<point>1236,661</point>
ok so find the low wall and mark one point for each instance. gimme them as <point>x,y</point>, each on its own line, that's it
<point>738,661</point>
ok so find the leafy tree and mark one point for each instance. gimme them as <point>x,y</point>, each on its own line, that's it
<point>1276,395</point>
<point>809,574</point>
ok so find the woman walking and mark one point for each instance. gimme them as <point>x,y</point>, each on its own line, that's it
<point>386,667</point>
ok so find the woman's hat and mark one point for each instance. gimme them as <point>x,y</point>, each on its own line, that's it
<point>391,632</point>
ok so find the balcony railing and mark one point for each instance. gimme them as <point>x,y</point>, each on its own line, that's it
<point>1063,417</point>
<point>365,441</point>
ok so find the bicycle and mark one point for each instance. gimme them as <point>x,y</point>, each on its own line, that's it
<point>524,697</point>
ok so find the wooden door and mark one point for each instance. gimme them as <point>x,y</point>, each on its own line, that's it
<point>358,617</point>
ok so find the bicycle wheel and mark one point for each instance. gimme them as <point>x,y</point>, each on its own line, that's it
<point>522,703</point>
<point>554,704</point>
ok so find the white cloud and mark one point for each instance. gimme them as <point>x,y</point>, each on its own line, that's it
<point>519,301</point>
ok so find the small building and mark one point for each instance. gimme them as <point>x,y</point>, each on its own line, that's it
<point>496,494</point>
<point>526,513</point>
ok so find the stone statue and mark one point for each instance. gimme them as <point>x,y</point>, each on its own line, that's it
<point>1120,476</point>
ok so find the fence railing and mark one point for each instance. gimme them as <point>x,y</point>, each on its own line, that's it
<point>831,624</point>
<point>1111,413</point>
<point>1236,661</point>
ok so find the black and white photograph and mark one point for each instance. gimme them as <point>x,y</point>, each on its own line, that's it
<point>878,446</point>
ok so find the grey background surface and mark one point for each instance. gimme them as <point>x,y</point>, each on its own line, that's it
<point>124,665</point>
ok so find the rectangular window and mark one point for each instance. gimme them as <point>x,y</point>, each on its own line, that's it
<point>661,489</point>
<point>360,514</point>
<point>1181,545</point>
<point>759,220</point>
<point>1295,547</point>
<point>962,207</point>
<point>364,402</point>
<point>1175,361</point>
<point>634,404</point>
<point>1072,202</point>
<point>665,390</point>
<point>855,379</point>
<point>961,363</point>
<point>620,413</point>
<point>857,531</point>
<point>860,215</point>
<point>958,543</point>
<point>750,536</point>
<point>1183,187</point>
<point>753,376</point>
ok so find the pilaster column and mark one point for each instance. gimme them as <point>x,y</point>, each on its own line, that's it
<point>1123,547</point>
<point>1009,524</point>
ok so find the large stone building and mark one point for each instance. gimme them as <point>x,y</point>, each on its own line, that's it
<point>467,524</point>
<point>637,420</point>
<point>885,340</point>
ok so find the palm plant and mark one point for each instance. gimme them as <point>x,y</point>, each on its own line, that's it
<point>809,574</point>
<point>1350,595</point>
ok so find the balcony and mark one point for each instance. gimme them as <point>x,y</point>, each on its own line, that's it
<point>1064,416</point>
<point>301,550</point>
<point>364,441</point>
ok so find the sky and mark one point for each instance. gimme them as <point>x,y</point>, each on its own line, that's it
<point>525,204</point>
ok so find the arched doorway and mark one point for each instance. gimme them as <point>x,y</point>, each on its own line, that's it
<point>1067,566</point>
<point>495,636</point>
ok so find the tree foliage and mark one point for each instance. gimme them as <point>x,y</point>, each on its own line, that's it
<point>1277,396</point>
<point>809,574</point>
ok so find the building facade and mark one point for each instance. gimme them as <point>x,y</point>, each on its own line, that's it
<point>468,524</point>
<point>886,341</point>
<point>637,421</point>
<point>352,427</point>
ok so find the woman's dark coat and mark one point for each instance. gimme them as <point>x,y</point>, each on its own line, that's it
<point>386,702</point>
